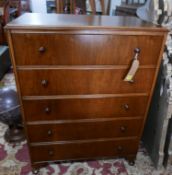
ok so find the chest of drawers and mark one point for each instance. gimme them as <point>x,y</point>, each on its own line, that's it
<point>70,76</point>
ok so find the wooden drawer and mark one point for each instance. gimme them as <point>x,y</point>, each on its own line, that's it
<point>77,82</point>
<point>56,49</point>
<point>83,150</point>
<point>85,108</point>
<point>84,130</point>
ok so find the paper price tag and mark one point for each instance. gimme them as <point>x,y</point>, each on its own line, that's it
<point>129,77</point>
<point>133,69</point>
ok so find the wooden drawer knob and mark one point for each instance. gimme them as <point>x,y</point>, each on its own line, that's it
<point>50,132</point>
<point>47,110</point>
<point>51,153</point>
<point>44,83</point>
<point>137,50</point>
<point>42,49</point>
<point>123,128</point>
<point>120,148</point>
<point>126,107</point>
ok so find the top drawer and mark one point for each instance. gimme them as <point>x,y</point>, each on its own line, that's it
<point>58,49</point>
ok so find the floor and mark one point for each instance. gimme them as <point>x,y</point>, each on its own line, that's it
<point>14,159</point>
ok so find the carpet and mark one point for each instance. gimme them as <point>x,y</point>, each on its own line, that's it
<point>14,158</point>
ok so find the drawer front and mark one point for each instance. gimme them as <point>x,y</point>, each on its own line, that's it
<point>87,150</point>
<point>84,130</point>
<point>77,82</point>
<point>56,49</point>
<point>85,108</point>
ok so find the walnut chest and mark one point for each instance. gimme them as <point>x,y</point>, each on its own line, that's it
<point>70,74</point>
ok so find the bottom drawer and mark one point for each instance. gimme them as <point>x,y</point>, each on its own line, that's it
<point>83,150</point>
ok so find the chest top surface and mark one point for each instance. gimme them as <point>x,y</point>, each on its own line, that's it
<point>63,21</point>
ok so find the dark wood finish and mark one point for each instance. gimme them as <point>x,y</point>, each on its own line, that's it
<point>84,130</point>
<point>90,108</point>
<point>87,150</point>
<point>10,9</point>
<point>60,6</point>
<point>4,18</point>
<point>54,49</point>
<point>102,3</point>
<point>70,6</point>
<point>129,8</point>
<point>71,88</point>
<point>93,6</point>
<point>1,34</point>
<point>69,82</point>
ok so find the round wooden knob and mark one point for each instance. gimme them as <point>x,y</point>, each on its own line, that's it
<point>137,50</point>
<point>126,106</point>
<point>42,49</point>
<point>44,83</point>
<point>51,153</point>
<point>49,132</point>
<point>47,110</point>
<point>120,148</point>
<point>123,128</point>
